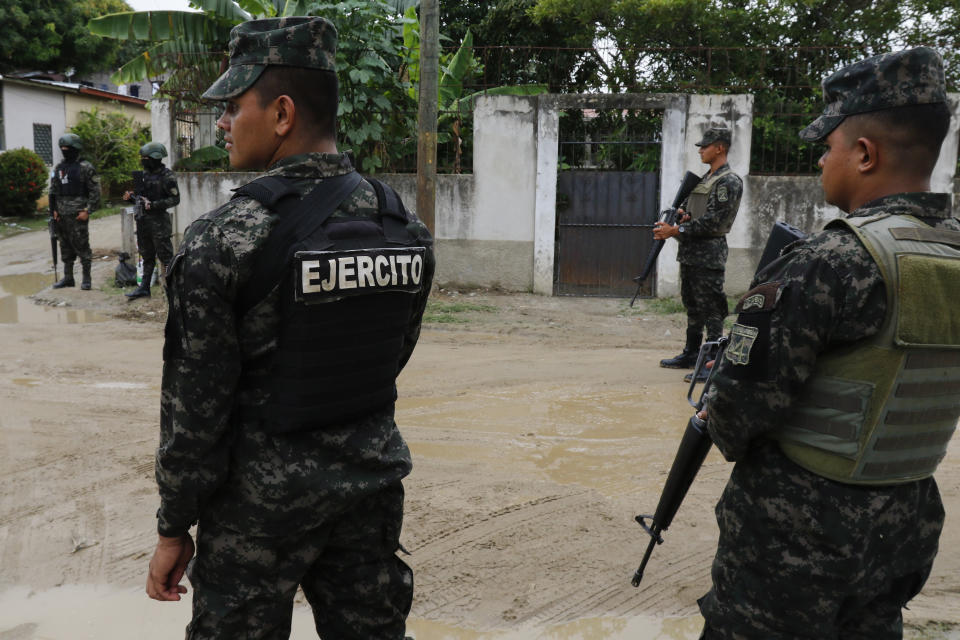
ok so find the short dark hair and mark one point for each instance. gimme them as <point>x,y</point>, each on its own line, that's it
<point>915,132</point>
<point>314,92</point>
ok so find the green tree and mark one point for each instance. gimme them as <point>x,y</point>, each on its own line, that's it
<point>51,35</point>
<point>111,142</point>
<point>377,117</point>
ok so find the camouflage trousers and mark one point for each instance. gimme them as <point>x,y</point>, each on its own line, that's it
<point>348,569</point>
<point>801,556</point>
<point>153,237</point>
<point>701,291</point>
<point>74,236</point>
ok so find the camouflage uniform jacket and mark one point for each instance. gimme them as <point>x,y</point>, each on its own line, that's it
<point>703,242</point>
<point>214,460</point>
<point>823,293</point>
<point>71,205</point>
<point>160,188</point>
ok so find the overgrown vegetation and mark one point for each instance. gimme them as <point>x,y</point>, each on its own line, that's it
<point>15,225</point>
<point>111,143</point>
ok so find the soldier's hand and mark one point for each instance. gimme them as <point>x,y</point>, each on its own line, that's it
<point>56,216</point>
<point>684,217</point>
<point>662,230</point>
<point>168,566</point>
<point>83,215</point>
<point>127,195</point>
<point>146,204</point>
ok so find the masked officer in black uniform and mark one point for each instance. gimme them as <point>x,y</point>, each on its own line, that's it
<point>160,192</point>
<point>74,195</point>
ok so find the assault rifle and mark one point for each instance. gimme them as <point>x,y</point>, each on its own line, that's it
<point>669,216</point>
<point>52,229</point>
<point>693,449</point>
<point>696,442</point>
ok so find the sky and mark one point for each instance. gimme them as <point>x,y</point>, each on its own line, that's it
<point>152,5</point>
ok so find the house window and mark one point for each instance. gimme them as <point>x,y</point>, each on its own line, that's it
<point>43,142</point>
<point>135,90</point>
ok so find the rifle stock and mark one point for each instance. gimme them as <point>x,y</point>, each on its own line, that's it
<point>669,216</point>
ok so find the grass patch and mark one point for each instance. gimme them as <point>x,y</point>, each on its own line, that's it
<point>440,312</point>
<point>664,306</point>
<point>14,225</point>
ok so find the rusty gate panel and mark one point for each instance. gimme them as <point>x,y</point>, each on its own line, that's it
<point>604,231</point>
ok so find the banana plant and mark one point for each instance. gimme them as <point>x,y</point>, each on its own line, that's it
<point>185,45</point>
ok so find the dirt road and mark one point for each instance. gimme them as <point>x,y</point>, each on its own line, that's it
<point>539,428</point>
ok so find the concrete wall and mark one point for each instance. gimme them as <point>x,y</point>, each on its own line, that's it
<point>24,106</point>
<point>497,227</point>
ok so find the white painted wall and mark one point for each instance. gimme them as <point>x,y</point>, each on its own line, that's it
<point>505,168</point>
<point>946,167</point>
<point>23,106</point>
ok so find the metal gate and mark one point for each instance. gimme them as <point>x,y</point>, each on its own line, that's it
<point>604,231</point>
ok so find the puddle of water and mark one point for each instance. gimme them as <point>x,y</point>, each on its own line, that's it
<point>81,612</point>
<point>16,308</point>
<point>581,438</point>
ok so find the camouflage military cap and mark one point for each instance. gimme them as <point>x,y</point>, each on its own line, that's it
<point>715,134</point>
<point>890,80</point>
<point>307,42</point>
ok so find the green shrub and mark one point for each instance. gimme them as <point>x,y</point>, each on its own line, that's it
<point>23,178</point>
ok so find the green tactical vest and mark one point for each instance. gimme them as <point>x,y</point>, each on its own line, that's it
<point>883,410</point>
<point>700,196</point>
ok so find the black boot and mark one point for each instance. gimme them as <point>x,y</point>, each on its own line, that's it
<point>688,358</point>
<point>85,282</point>
<point>143,291</point>
<point>67,280</point>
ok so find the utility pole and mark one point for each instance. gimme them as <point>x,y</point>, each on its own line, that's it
<point>427,116</point>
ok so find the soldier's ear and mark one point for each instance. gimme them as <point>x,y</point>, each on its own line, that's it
<point>868,152</point>
<point>285,112</point>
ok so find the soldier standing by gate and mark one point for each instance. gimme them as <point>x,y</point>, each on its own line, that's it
<point>74,195</point>
<point>702,235</point>
<point>160,192</point>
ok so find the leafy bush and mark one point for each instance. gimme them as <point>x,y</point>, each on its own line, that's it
<point>111,143</point>
<point>23,178</point>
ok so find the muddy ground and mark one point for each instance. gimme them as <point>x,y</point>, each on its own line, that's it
<point>539,428</point>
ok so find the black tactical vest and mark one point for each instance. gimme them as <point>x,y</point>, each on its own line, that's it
<point>347,290</point>
<point>71,179</point>
<point>153,185</point>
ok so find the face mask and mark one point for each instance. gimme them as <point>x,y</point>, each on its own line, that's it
<point>150,164</point>
<point>70,154</point>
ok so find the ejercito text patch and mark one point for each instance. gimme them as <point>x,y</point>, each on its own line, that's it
<point>322,276</point>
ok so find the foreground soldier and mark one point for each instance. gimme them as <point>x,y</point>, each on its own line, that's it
<point>702,252</point>
<point>160,192</point>
<point>292,310</point>
<point>840,388</point>
<point>74,195</point>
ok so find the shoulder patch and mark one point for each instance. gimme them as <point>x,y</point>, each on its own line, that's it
<point>762,298</point>
<point>742,339</point>
<point>722,194</point>
<point>325,276</point>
